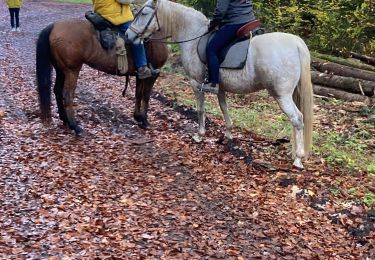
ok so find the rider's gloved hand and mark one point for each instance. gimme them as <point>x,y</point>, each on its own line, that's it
<point>213,24</point>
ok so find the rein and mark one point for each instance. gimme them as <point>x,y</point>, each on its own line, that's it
<point>161,40</point>
<point>171,42</point>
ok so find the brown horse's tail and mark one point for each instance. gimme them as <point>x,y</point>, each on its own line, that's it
<point>44,72</point>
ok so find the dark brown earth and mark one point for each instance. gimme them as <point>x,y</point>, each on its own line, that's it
<point>120,192</point>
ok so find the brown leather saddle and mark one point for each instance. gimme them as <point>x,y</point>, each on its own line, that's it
<point>251,27</point>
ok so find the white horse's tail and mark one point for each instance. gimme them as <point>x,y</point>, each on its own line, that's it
<point>303,96</point>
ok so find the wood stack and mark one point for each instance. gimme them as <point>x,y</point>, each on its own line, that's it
<point>351,83</point>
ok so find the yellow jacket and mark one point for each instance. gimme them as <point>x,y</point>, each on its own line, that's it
<point>113,11</point>
<point>14,3</point>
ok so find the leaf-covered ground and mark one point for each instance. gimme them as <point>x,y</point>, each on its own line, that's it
<point>125,193</point>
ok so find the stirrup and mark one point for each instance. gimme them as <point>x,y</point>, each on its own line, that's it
<point>144,72</point>
<point>154,72</point>
<point>207,87</point>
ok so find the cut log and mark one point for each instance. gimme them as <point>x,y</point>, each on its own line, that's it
<point>340,94</point>
<point>343,61</point>
<point>341,70</point>
<point>349,84</point>
<point>364,58</point>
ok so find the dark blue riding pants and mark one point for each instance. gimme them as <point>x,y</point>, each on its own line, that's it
<point>221,39</point>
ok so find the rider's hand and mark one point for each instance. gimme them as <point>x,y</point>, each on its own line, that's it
<point>213,24</point>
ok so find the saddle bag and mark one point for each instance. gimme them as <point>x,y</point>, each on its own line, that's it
<point>98,21</point>
<point>108,39</point>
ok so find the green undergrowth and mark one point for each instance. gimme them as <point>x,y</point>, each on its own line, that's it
<point>353,195</point>
<point>347,140</point>
<point>350,150</point>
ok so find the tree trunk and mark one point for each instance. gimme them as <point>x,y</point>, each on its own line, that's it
<point>340,94</point>
<point>353,85</point>
<point>364,58</point>
<point>343,61</point>
<point>341,70</point>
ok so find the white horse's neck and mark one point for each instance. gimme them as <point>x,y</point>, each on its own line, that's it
<point>179,21</point>
<point>184,23</point>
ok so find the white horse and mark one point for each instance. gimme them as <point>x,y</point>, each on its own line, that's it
<point>278,62</point>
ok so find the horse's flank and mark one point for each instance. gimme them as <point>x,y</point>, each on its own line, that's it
<point>70,38</point>
<point>71,48</point>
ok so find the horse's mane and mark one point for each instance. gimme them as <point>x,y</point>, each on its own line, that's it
<point>179,16</point>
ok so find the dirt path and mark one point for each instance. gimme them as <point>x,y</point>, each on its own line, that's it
<point>124,193</point>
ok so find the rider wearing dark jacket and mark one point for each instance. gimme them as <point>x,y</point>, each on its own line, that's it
<point>230,15</point>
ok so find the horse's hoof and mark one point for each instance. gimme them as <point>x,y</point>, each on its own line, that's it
<point>144,125</point>
<point>78,130</point>
<point>298,163</point>
<point>142,121</point>
<point>197,138</point>
<point>228,136</point>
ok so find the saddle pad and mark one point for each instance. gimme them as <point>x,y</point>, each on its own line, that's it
<point>232,57</point>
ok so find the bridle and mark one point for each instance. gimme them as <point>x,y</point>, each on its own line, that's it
<point>154,15</point>
<point>140,33</point>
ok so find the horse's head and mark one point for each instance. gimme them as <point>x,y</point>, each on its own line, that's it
<point>145,22</point>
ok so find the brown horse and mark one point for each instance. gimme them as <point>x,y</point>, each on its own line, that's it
<point>66,46</point>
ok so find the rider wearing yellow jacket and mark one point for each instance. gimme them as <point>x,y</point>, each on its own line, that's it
<point>119,13</point>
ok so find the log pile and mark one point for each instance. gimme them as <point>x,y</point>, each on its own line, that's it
<point>350,83</point>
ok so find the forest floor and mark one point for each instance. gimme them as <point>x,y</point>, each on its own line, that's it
<point>120,192</point>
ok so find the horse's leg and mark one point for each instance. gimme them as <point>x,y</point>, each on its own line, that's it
<point>70,83</point>
<point>199,97</point>
<point>288,106</point>
<point>142,98</point>
<point>58,90</point>
<point>138,100</point>
<point>224,109</point>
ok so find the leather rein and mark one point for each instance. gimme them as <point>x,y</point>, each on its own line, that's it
<point>161,40</point>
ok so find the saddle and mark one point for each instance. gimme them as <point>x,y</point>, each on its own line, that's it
<point>251,27</point>
<point>110,36</point>
<point>235,54</point>
<point>107,31</point>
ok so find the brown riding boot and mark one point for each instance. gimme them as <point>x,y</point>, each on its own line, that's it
<point>144,72</point>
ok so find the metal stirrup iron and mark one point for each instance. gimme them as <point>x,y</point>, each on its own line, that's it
<point>206,80</point>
